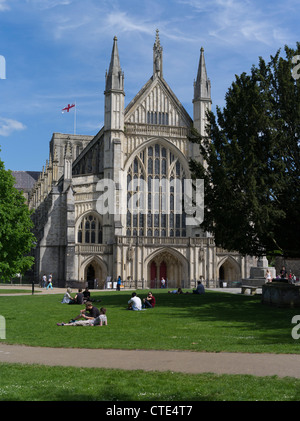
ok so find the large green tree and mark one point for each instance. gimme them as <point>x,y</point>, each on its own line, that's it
<point>16,238</point>
<point>251,152</point>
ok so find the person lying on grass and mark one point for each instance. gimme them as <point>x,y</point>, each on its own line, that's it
<point>93,318</point>
<point>178,291</point>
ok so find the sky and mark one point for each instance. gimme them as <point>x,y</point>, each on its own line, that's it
<point>56,52</point>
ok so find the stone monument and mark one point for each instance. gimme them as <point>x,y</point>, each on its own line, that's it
<point>257,273</point>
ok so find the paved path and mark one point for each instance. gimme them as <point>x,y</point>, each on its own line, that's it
<point>41,291</point>
<point>179,361</point>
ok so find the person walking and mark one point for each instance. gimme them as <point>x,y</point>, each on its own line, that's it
<point>119,283</point>
<point>44,281</point>
<point>50,282</point>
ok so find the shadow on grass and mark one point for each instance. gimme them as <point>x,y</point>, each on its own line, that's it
<point>243,321</point>
<point>242,311</point>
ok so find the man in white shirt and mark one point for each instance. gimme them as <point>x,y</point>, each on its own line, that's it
<point>135,302</point>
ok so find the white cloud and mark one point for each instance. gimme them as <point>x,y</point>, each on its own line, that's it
<point>236,21</point>
<point>8,126</point>
<point>4,6</point>
<point>49,4</point>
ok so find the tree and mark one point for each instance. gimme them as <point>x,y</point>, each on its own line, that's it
<point>16,238</point>
<point>251,154</point>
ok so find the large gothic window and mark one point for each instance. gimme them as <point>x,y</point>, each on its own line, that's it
<point>89,230</point>
<point>155,191</point>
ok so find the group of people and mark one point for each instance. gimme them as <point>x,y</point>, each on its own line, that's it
<point>89,316</point>
<point>80,298</point>
<point>92,316</point>
<point>290,277</point>
<point>199,290</point>
<point>136,304</point>
<point>47,282</point>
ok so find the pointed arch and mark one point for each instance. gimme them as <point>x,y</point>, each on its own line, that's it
<point>88,228</point>
<point>97,266</point>
<point>229,269</point>
<point>164,143</point>
<point>168,263</point>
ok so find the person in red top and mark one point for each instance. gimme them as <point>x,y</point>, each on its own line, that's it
<point>149,301</point>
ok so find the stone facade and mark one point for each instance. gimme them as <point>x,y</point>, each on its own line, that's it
<point>291,265</point>
<point>146,141</point>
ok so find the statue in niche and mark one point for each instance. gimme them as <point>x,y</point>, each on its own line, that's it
<point>201,254</point>
<point>130,253</point>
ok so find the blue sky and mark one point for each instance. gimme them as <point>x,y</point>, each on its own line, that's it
<point>57,51</point>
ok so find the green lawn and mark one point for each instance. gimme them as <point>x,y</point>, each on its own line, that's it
<point>16,291</point>
<point>37,383</point>
<point>216,321</point>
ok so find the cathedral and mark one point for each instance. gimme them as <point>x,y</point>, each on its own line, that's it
<point>106,206</point>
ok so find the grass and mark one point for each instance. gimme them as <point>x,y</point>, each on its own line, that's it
<point>214,322</point>
<point>38,383</point>
<point>16,291</point>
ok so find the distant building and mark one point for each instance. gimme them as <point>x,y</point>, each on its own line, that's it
<point>145,142</point>
<point>25,181</point>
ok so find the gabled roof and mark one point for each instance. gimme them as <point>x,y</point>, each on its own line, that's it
<point>165,101</point>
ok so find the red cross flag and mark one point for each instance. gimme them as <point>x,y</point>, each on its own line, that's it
<point>67,108</point>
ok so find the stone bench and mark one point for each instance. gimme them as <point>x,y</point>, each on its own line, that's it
<point>251,288</point>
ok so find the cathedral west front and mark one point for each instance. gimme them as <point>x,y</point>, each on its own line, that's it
<point>143,152</point>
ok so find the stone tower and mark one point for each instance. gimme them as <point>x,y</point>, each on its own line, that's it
<point>113,137</point>
<point>202,100</point>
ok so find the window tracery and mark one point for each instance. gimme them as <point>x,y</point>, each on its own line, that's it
<point>89,230</point>
<point>155,191</point>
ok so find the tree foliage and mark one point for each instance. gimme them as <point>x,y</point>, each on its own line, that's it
<point>251,154</point>
<point>16,238</point>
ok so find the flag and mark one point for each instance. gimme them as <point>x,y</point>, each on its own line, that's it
<point>67,109</point>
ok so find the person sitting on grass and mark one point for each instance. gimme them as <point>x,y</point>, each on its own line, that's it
<point>89,321</point>
<point>102,319</point>
<point>149,301</point>
<point>67,297</point>
<point>200,289</point>
<point>88,314</point>
<point>78,299</point>
<point>134,303</point>
<point>86,295</point>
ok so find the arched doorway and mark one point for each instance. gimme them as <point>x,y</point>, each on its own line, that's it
<point>90,276</point>
<point>172,268</point>
<point>94,274</point>
<point>153,274</point>
<point>229,271</point>
<point>163,270</point>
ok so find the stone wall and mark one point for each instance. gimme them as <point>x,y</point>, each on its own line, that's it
<point>292,265</point>
<point>281,294</point>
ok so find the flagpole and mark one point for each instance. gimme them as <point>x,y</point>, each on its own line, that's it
<point>75,119</point>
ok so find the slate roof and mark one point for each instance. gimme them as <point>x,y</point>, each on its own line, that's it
<point>25,180</point>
